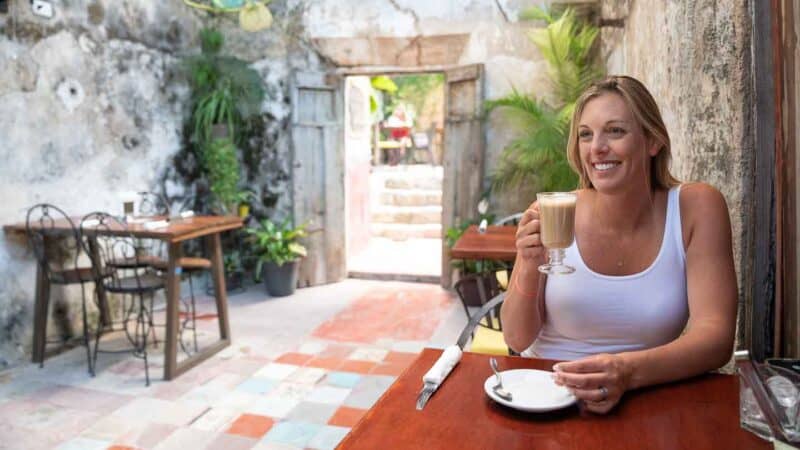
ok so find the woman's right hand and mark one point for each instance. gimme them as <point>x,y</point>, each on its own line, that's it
<point>529,241</point>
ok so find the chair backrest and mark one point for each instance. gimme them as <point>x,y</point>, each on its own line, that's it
<point>477,290</point>
<point>153,204</point>
<point>493,304</point>
<point>107,241</point>
<point>513,219</point>
<point>54,239</point>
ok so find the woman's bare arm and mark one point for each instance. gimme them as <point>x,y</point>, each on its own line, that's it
<point>522,313</point>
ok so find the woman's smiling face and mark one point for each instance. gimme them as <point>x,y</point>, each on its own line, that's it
<point>613,146</point>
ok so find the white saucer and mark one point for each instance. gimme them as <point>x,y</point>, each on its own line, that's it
<point>531,390</point>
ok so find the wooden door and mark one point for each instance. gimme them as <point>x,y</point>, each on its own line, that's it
<point>463,151</point>
<point>318,174</point>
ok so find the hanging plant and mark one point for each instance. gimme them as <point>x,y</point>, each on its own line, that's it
<point>253,15</point>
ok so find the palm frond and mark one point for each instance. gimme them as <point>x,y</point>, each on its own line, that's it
<point>536,159</point>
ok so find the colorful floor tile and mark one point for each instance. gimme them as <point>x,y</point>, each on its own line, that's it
<point>289,380</point>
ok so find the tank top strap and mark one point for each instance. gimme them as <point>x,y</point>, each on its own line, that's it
<point>674,227</point>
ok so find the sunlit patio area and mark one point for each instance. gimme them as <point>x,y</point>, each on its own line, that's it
<point>302,370</point>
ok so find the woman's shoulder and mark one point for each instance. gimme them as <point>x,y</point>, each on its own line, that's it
<point>699,196</point>
<point>704,210</point>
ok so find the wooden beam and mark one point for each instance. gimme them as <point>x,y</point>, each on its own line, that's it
<point>786,185</point>
<point>762,290</point>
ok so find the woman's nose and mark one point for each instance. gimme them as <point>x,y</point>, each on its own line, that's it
<point>599,144</point>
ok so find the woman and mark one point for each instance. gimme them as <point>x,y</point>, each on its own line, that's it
<point>653,298</point>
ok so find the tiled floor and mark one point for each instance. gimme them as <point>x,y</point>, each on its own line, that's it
<point>301,372</point>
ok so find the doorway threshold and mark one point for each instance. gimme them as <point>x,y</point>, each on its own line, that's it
<point>407,277</point>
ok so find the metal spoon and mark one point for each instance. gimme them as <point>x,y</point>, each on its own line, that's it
<point>498,388</point>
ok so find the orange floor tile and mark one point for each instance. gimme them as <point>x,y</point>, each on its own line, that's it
<point>251,425</point>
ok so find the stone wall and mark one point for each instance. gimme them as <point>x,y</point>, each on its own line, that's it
<point>694,56</point>
<point>93,102</point>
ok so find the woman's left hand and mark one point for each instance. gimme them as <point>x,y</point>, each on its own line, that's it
<point>599,380</point>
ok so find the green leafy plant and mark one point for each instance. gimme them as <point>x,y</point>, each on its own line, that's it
<point>222,169</point>
<point>225,90</point>
<point>232,262</point>
<point>276,243</point>
<point>536,160</point>
<point>244,197</point>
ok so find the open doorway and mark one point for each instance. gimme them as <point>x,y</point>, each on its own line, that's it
<point>393,185</point>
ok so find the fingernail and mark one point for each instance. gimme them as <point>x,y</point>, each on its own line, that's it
<point>557,367</point>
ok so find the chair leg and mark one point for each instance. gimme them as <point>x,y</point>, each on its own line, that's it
<point>143,319</point>
<point>152,326</point>
<point>194,315</point>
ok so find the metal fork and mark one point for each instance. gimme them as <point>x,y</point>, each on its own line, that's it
<point>498,388</point>
<point>427,390</point>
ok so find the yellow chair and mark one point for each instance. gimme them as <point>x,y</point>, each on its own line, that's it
<point>488,340</point>
<point>487,331</point>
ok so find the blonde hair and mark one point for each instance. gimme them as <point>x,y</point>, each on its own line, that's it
<point>646,113</point>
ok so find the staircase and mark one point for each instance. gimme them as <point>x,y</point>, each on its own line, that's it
<point>406,202</point>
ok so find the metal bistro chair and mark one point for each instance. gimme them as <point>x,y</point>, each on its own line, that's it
<point>58,256</point>
<point>477,290</point>
<point>154,204</point>
<point>475,324</point>
<point>114,243</point>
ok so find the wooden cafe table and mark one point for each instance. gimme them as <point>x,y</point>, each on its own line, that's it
<point>497,243</point>
<point>699,413</point>
<point>177,231</point>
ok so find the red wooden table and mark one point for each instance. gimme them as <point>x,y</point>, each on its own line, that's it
<point>207,227</point>
<point>497,243</point>
<point>699,413</point>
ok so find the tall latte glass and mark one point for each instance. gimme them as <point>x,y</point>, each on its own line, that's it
<point>557,228</point>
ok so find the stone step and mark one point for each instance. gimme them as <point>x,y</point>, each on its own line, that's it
<point>408,214</point>
<point>400,232</point>
<point>413,183</point>
<point>411,197</point>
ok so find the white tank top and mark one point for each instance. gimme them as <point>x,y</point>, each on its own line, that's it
<point>590,313</point>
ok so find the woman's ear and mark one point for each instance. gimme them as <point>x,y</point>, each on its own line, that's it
<point>653,147</point>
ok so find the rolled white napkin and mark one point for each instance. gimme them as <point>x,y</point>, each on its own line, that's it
<point>90,223</point>
<point>443,366</point>
<point>187,214</point>
<point>155,224</point>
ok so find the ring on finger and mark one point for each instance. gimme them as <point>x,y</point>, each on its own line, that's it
<point>603,393</point>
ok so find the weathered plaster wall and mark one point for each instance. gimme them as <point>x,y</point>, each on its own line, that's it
<point>92,103</point>
<point>694,56</point>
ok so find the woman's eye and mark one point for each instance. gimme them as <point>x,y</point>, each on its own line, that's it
<point>616,130</point>
<point>584,134</point>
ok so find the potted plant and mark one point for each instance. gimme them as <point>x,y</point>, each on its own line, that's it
<point>243,199</point>
<point>278,254</point>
